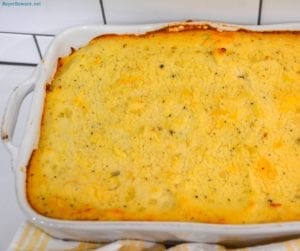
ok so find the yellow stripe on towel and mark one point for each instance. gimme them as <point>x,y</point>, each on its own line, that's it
<point>23,237</point>
<point>35,237</point>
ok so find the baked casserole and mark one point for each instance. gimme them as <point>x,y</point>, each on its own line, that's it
<point>187,123</point>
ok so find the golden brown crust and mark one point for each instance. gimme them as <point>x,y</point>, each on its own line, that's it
<point>214,149</point>
<point>193,27</point>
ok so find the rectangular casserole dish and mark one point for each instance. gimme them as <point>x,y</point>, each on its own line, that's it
<point>108,231</point>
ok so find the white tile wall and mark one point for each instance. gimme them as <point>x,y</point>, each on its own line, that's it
<point>50,17</point>
<point>11,215</point>
<point>44,42</point>
<point>18,48</point>
<point>137,11</point>
<point>280,11</point>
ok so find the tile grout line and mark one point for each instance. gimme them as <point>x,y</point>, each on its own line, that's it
<point>102,11</point>
<point>17,63</point>
<point>259,12</point>
<point>37,46</point>
<point>24,33</point>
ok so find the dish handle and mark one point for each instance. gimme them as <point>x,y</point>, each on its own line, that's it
<point>11,113</point>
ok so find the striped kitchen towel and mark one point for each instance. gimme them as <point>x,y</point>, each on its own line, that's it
<point>30,238</point>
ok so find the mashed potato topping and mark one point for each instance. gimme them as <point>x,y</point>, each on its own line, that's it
<point>196,125</point>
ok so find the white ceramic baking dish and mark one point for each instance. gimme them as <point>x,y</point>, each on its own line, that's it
<point>107,231</point>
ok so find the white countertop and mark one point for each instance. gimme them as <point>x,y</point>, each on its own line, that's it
<point>27,27</point>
